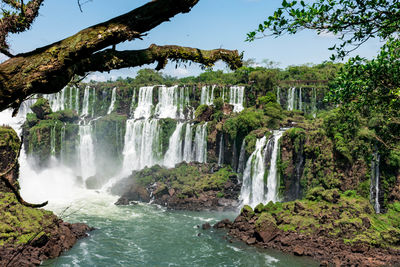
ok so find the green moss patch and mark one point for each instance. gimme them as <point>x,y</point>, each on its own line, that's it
<point>20,224</point>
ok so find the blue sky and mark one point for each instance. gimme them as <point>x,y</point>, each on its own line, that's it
<point>210,24</point>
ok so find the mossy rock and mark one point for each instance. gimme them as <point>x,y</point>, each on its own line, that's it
<point>41,108</point>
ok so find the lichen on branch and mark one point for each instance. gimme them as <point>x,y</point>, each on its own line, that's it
<point>110,59</point>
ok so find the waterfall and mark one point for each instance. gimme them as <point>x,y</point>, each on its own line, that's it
<point>86,152</point>
<point>77,92</point>
<point>221,151</point>
<point>53,140</point>
<point>133,104</point>
<point>113,98</point>
<point>300,100</point>
<point>174,153</point>
<point>142,144</point>
<point>252,191</point>
<point>187,149</point>
<point>93,102</point>
<point>291,98</point>
<point>273,175</point>
<point>200,143</point>
<point>314,103</point>
<point>278,95</point>
<point>62,143</point>
<point>253,187</point>
<point>56,101</point>
<point>236,97</point>
<point>242,157</point>
<point>375,176</point>
<point>207,96</point>
<point>145,103</point>
<point>85,104</point>
<point>171,102</point>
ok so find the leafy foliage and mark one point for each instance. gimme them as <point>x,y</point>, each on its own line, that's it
<point>353,21</point>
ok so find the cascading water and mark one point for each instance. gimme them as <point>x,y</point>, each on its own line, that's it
<point>375,176</point>
<point>56,100</point>
<point>273,176</point>
<point>86,152</point>
<point>145,103</point>
<point>187,149</point>
<point>252,191</point>
<point>314,103</point>
<point>174,153</point>
<point>142,147</point>
<point>207,96</point>
<point>113,99</point>
<point>171,102</point>
<point>200,143</point>
<point>242,157</point>
<point>236,98</point>
<point>278,95</point>
<point>291,98</point>
<point>253,187</point>
<point>77,92</point>
<point>53,140</point>
<point>85,104</point>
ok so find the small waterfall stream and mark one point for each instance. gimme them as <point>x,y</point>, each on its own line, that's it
<point>291,98</point>
<point>113,99</point>
<point>207,95</point>
<point>85,104</point>
<point>375,181</point>
<point>254,190</point>
<point>86,152</point>
<point>273,175</point>
<point>236,98</point>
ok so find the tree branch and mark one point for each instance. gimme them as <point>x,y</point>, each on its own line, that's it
<point>110,59</point>
<point>12,187</point>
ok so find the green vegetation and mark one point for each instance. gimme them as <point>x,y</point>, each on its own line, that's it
<point>20,224</point>
<point>345,216</point>
<point>186,179</point>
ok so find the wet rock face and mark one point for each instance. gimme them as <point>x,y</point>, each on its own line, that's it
<point>187,187</point>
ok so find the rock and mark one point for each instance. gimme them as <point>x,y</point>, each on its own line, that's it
<point>298,251</point>
<point>298,207</point>
<point>251,241</point>
<point>206,226</point>
<point>223,224</point>
<point>41,108</point>
<point>122,201</point>
<point>171,192</point>
<point>366,222</point>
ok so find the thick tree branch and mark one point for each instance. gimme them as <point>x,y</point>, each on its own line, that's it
<point>110,59</point>
<point>48,69</point>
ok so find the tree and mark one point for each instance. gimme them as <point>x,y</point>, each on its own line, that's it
<point>353,21</point>
<point>48,69</point>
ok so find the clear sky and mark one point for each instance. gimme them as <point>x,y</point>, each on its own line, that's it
<point>210,24</point>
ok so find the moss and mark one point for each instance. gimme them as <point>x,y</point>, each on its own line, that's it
<point>350,219</point>
<point>20,224</point>
<point>187,179</point>
<point>41,108</point>
<point>200,110</point>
